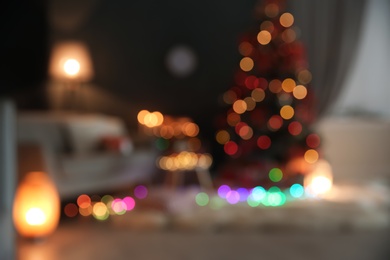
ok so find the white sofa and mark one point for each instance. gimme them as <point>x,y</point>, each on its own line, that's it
<point>70,147</point>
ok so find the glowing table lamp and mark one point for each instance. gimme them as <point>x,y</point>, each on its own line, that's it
<point>70,61</point>
<point>36,209</point>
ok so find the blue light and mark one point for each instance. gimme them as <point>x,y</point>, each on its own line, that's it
<point>297,190</point>
<point>258,193</point>
<point>244,193</point>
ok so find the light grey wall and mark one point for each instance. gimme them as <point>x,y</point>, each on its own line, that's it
<point>367,89</point>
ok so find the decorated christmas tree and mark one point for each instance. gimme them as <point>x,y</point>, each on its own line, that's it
<point>265,126</point>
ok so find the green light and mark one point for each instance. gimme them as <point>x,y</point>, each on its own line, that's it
<point>275,174</point>
<point>202,199</point>
<point>258,193</point>
<point>162,144</point>
<point>217,203</point>
<point>253,202</point>
<point>106,199</point>
<point>275,197</point>
<point>274,189</point>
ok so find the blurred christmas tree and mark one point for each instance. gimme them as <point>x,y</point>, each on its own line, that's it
<point>265,127</point>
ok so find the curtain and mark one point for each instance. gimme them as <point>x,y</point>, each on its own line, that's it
<point>331,31</point>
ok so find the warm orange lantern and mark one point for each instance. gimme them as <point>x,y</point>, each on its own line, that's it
<point>320,180</point>
<point>36,209</point>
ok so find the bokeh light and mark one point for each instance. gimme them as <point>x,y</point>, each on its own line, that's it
<point>275,86</point>
<point>85,212</point>
<point>271,10</point>
<point>71,210</point>
<point>252,201</point>
<point>289,35</point>
<point>232,197</point>
<point>264,142</point>
<point>245,48</point>
<point>268,26</point>
<point>229,97</point>
<point>233,119</point>
<point>246,64</point>
<point>311,156</point>
<point>222,137</point>
<point>244,193</point>
<point>300,92</point>
<point>264,37</point>
<point>286,20</point>
<point>83,201</point>
<point>287,112</point>
<point>202,199</point>
<point>251,82</point>
<point>297,190</point>
<point>304,76</point>
<point>118,206</point>
<point>275,197</point>
<point>216,203</point>
<point>223,190</point>
<point>230,148</point>
<point>141,116</point>
<point>258,193</point>
<point>190,129</point>
<point>258,94</point>
<point>295,128</point>
<point>288,85</point>
<point>313,140</point>
<point>239,106</point>
<point>250,103</point>
<point>141,192</point>
<point>246,132</point>
<point>275,122</point>
<point>100,211</point>
<point>129,202</point>
<point>275,175</point>
<point>107,199</point>
<point>205,161</point>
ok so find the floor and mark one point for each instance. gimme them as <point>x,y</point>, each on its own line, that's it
<point>93,240</point>
<point>356,228</point>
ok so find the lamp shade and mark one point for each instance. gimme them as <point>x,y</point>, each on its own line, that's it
<point>71,61</point>
<point>36,209</point>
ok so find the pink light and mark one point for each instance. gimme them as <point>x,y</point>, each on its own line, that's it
<point>233,197</point>
<point>118,206</point>
<point>129,202</point>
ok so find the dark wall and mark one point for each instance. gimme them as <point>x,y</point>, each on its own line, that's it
<point>129,41</point>
<point>23,51</point>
